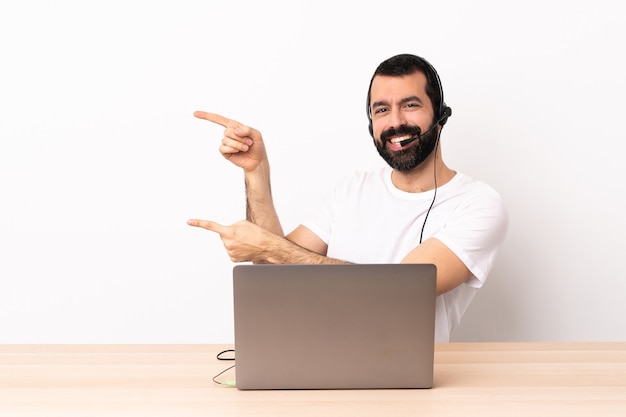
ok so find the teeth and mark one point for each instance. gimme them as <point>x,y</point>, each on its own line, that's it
<point>400,139</point>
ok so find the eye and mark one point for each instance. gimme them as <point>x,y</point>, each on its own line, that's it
<point>380,110</point>
<point>411,105</point>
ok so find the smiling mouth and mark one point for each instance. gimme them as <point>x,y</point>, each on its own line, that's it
<point>403,140</point>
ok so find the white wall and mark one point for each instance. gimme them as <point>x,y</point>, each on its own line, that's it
<point>101,161</point>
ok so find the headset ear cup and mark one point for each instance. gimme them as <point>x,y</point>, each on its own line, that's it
<point>447,112</point>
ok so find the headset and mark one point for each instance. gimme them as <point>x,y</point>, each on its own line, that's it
<point>442,112</point>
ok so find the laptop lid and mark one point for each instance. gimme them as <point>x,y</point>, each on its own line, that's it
<point>349,326</point>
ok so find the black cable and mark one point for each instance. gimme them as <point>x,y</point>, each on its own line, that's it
<point>432,203</point>
<point>219,355</point>
<point>229,383</point>
<point>221,358</point>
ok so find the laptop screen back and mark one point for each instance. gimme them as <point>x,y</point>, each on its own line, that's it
<point>334,326</point>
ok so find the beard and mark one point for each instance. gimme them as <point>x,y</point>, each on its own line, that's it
<point>408,158</point>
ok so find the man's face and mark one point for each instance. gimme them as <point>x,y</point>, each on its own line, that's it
<point>401,111</point>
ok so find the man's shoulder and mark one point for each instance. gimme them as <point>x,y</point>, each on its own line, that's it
<point>470,185</point>
<point>477,198</point>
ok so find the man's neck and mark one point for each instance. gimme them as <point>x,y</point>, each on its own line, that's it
<point>421,179</point>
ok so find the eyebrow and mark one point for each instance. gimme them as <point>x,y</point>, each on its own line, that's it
<point>403,101</point>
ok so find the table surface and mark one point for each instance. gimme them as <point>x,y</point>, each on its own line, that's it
<point>470,379</point>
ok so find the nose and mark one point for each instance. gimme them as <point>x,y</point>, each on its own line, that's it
<point>397,118</point>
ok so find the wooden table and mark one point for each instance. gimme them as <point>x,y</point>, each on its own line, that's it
<point>471,379</point>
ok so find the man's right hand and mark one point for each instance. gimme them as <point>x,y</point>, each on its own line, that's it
<point>241,144</point>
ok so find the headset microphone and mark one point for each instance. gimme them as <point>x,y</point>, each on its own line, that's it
<point>446,113</point>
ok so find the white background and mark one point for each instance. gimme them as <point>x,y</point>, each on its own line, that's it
<point>102,162</point>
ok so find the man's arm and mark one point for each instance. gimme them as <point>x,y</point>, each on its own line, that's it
<point>451,271</point>
<point>247,242</point>
<point>244,147</point>
<point>260,208</point>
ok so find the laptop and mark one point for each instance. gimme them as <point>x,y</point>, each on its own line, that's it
<point>353,326</point>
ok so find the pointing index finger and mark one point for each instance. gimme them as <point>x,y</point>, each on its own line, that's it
<point>218,119</point>
<point>207,224</point>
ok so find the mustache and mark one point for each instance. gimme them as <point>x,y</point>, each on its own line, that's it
<point>401,131</point>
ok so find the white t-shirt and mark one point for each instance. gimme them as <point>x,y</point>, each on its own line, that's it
<point>368,220</point>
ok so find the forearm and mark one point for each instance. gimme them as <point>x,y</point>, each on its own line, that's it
<point>247,242</point>
<point>260,208</point>
<point>279,250</point>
